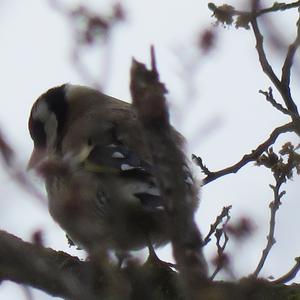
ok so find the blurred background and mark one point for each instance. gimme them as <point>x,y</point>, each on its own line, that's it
<point>213,98</point>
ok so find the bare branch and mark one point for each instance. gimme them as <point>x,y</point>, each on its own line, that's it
<point>275,7</point>
<point>199,162</point>
<point>222,259</point>
<point>279,7</point>
<point>289,127</point>
<point>274,206</point>
<point>290,274</point>
<point>62,275</point>
<point>149,100</point>
<point>282,88</point>
<point>270,98</point>
<point>214,226</point>
<point>153,60</point>
<point>228,11</point>
<point>287,66</point>
<point>56,273</point>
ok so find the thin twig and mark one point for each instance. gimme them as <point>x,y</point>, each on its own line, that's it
<point>282,88</point>
<point>270,98</point>
<point>274,8</point>
<point>279,7</point>
<point>153,60</point>
<point>222,259</point>
<point>214,226</point>
<point>199,162</point>
<point>290,274</point>
<point>227,14</point>
<point>289,127</point>
<point>274,206</point>
<point>287,66</point>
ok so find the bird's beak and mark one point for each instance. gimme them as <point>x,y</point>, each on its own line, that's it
<point>37,155</point>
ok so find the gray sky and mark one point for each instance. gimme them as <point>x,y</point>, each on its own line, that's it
<point>35,54</point>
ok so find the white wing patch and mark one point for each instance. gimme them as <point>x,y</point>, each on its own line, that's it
<point>117,155</point>
<point>126,167</point>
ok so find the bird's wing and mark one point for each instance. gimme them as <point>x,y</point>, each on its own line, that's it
<point>127,156</point>
<point>118,160</point>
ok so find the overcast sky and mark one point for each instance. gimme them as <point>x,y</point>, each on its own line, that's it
<point>213,98</point>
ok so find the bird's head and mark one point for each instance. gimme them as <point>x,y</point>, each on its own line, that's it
<point>65,116</point>
<point>46,123</point>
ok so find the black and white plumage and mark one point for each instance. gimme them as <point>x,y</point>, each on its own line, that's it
<point>107,196</point>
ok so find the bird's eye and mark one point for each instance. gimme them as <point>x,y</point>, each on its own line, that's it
<point>37,133</point>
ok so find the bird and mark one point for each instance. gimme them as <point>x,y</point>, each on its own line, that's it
<point>98,171</point>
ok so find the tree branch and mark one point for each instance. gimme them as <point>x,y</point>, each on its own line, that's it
<point>290,274</point>
<point>281,87</point>
<point>221,260</point>
<point>150,103</point>
<point>279,7</point>
<point>218,221</point>
<point>230,11</point>
<point>62,275</point>
<point>289,127</point>
<point>287,66</point>
<point>270,98</point>
<point>56,273</point>
<point>274,206</point>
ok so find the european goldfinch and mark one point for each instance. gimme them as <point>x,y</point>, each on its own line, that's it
<point>98,171</point>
